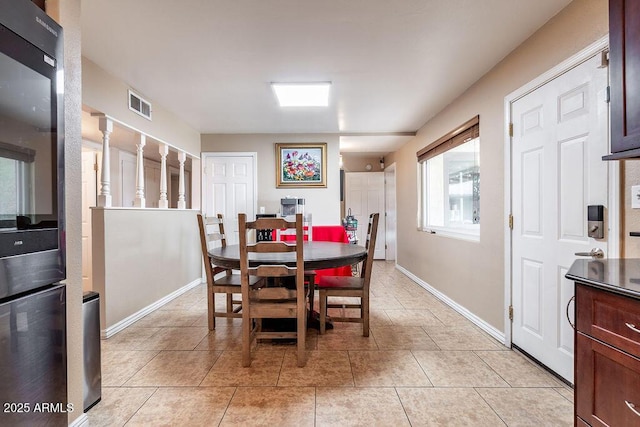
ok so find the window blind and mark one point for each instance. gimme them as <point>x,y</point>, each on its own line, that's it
<point>458,136</point>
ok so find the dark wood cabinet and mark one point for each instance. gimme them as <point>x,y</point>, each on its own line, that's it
<point>607,358</point>
<point>624,68</point>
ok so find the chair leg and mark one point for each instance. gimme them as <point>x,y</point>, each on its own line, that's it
<point>323,311</point>
<point>364,301</point>
<point>246,340</point>
<point>229,303</point>
<point>301,335</point>
<point>211,308</point>
<point>312,291</point>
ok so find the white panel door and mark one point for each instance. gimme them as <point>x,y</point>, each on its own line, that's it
<point>127,179</point>
<point>229,188</point>
<point>89,199</point>
<point>559,138</point>
<point>390,209</point>
<point>364,196</point>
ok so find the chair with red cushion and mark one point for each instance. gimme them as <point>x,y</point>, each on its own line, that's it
<point>344,286</point>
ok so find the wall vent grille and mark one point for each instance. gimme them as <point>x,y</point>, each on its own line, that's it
<point>139,105</point>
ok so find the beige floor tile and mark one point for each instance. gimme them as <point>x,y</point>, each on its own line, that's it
<point>462,338</point>
<point>346,336</point>
<point>222,338</point>
<point>457,369</point>
<point>120,365</point>
<point>421,302</point>
<point>171,338</point>
<point>190,300</point>
<point>228,370</point>
<point>128,339</point>
<point>447,407</point>
<point>387,302</point>
<point>565,392</point>
<point>448,316</point>
<point>323,368</point>
<point>402,338</point>
<point>175,368</point>
<point>199,406</point>
<point>387,369</point>
<point>517,370</point>
<point>175,318</point>
<point>406,317</point>
<point>271,406</point>
<point>117,406</point>
<point>529,406</point>
<point>345,406</point>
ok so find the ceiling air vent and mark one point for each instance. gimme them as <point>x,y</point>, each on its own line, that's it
<point>138,105</point>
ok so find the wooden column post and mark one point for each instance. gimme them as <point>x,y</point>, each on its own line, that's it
<point>182,204</point>
<point>163,202</point>
<point>139,201</point>
<point>105,125</point>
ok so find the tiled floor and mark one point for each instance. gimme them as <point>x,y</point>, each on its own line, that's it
<point>422,365</point>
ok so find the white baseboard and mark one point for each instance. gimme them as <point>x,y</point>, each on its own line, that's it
<point>81,421</point>
<point>114,329</point>
<point>495,333</point>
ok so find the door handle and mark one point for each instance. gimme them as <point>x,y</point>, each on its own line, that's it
<point>595,253</point>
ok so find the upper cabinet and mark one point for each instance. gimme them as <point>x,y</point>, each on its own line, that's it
<point>624,67</point>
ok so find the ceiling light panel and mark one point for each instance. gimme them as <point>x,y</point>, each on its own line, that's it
<point>302,94</point>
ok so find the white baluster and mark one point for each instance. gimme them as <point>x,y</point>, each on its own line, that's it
<point>105,125</point>
<point>139,201</point>
<point>163,202</point>
<point>182,204</point>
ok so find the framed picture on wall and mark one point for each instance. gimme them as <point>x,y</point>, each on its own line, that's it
<point>301,165</point>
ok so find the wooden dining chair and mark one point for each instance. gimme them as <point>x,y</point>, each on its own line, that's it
<point>307,233</point>
<point>211,235</point>
<point>264,302</point>
<point>345,286</point>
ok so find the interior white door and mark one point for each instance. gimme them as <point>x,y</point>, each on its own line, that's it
<point>229,188</point>
<point>390,210</point>
<point>559,138</point>
<point>364,196</point>
<point>89,199</point>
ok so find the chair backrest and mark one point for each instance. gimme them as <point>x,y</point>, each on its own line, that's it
<point>372,231</point>
<point>211,234</point>
<point>286,235</point>
<point>270,270</point>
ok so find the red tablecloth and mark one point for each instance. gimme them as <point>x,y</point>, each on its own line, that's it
<point>326,233</point>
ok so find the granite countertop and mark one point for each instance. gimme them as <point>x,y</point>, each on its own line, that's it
<point>621,276</point>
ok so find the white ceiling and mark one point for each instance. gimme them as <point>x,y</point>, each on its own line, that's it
<point>392,64</point>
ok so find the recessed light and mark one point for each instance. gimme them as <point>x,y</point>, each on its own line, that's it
<point>302,94</point>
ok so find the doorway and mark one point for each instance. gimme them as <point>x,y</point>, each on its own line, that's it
<point>229,185</point>
<point>364,195</point>
<point>555,171</point>
<point>390,211</point>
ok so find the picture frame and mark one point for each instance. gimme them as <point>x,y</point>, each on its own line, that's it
<point>301,165</point>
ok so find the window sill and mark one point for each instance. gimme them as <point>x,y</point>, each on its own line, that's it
<point>455,234</point>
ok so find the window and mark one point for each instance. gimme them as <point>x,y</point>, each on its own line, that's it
<point>449,172</point>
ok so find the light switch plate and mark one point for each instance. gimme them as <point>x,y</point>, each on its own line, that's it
<point>635,196</point>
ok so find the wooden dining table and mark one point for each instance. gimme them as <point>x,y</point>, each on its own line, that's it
<point>317,256</point>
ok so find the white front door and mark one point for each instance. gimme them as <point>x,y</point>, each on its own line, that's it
<point>364,196</point>
<point>559,137</point>
<point>229,186</point>
<point>390,210</point>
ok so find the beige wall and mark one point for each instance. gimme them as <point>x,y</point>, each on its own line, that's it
<point>105,93</point>
<point>67,14</point>
<point>135,254</point>
<point>355,163</point>
<point>472,273</point>
<point>323,203</point>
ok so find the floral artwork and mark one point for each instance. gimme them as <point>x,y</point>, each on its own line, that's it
<point>301,165</point>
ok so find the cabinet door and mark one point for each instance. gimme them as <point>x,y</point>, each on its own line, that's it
<point>607,384</point>
<point>624,38</point>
